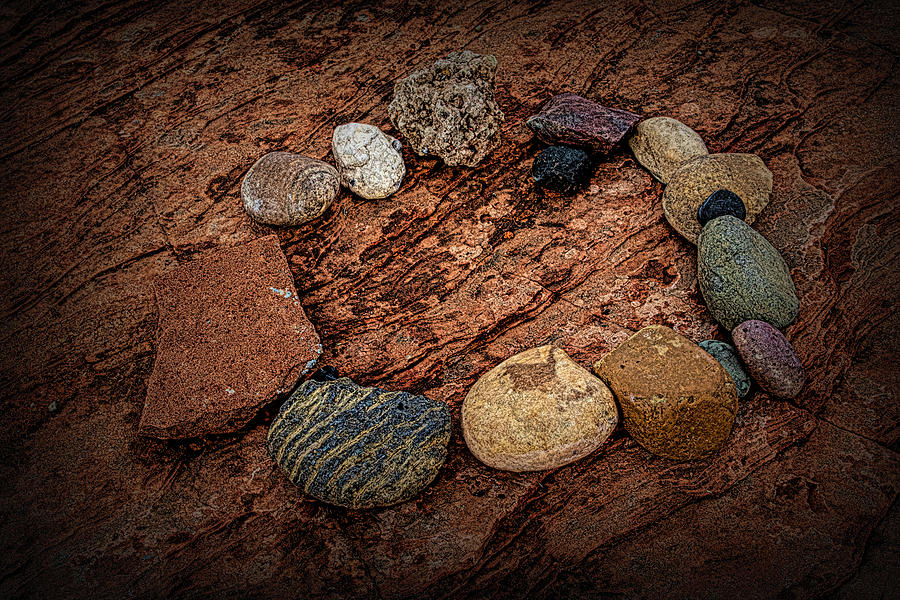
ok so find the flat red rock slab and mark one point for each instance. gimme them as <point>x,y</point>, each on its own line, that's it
<point>570,119</point>
<point>232,335</point>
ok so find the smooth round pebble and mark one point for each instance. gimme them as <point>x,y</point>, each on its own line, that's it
<point>369,161</point>
<point>719,204</point>
<point>677,401</point>
<point>359,447</point>
<point>770,358</point>
<point>742,277</point>
<point>562,169</point>
<point>728,357</point>
<point>662,144</point>
<point>283,188</point>
<point>537,410</point>
<point>693,182</point>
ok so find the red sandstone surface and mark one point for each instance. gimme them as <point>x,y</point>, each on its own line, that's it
<point>232,337</point>
<point>126,130</point>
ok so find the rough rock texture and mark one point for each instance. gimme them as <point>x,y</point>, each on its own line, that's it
<point>719,204</point>
<point>662,144</point>
<point>283,188</point>
<point>561,169</point>
<point>570,119</point>
<point>369,161</point>
<point>770,358</point>
<point>359,447</point>
<point>742,277</point>
<point>448,110</point>
<point>693,182</point>
<point>537,410</point>
<point>232,337</point>
<point>127,129</point>
<point>728,357</point>
<point>677,401</point>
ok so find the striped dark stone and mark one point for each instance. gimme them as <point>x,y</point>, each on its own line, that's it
<point>359,447</point>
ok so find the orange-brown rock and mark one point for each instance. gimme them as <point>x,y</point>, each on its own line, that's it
<point>677,401</point>
<point>232,336</point>
<point>537,410</point>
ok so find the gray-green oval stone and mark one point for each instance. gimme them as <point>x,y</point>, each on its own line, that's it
<point>742,277</point>
<point>359,447</point>
<point>728,357</point>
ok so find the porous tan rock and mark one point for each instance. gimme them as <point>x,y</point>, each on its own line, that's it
<point>677,400</point>
<point>692,183</point>
<point>283,188</point>
<point>537,410</point>
<point>662,144</point>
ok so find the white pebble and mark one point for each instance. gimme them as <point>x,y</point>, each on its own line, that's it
<point>368,160</point>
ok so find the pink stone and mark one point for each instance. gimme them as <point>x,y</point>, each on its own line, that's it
<point>232,336</point>
<point>770,358</point>
<point>576,121</point>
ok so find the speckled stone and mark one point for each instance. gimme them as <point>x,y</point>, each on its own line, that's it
<point>770,358</point>
<point>693,182</point>
<point>369,161</point>
<point>570,119</point>
<point>662,144</point>
<point>742,277</point>
<point>359,447</point>
<point>677,401</point>
<point>731,362</point>
<point>537,410</point>
<point>562,169</point>
<point>448,110</point>
<point>719,204</point>
<point>283,188</point>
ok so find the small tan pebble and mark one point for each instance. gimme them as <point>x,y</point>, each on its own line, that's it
<point>369,161</point>
<point>283,188</point>
<point>692,183</point>
<point>537,410</point>
<point>662,144</point>
<point>677,400</point>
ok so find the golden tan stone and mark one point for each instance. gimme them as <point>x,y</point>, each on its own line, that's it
<point>677,401</point>
<point>693,182</point>
<point>662,144</point>
<point>537,410</point>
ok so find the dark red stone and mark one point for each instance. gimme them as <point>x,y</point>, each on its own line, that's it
<point>576,121</point>
<point>232,336</point>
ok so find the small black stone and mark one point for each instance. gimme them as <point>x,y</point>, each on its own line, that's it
<point>562,169</point>
<point>326,373</point>
<point>719,204</point>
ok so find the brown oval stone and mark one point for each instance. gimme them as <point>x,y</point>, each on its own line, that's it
<point>692,183</point>
<point>662,144</point>
<point>677,401</point>
<point>283,188</point>
<point>537,410</point>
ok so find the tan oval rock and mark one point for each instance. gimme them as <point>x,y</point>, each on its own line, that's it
<point>283,188</point>
<point>537,410</point>
<point>662,144</point>
<point>677,401</point>
<point>695,180</point>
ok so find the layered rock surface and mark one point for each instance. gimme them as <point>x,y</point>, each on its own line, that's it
<point>125,158</point>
